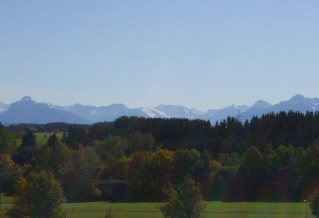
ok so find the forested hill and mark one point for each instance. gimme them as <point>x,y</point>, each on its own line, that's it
<point>271,158</point>
<point>228,136</point>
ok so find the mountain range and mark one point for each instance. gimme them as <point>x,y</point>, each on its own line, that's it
<point>28,111</point>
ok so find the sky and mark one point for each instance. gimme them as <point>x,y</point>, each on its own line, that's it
<point>198,54</point>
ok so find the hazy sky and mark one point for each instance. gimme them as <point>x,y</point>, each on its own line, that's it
<point>201,54</point>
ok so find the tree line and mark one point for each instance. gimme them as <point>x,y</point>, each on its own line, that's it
<point>271,158</point>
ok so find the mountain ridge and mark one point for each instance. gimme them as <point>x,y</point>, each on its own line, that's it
<point>28,111</point>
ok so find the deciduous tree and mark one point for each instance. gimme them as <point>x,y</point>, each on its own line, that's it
<point>39,195</point>
<point>185,201</point>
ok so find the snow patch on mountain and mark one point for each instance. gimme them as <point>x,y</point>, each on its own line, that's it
<point>152,112</point>
<point>94,113</point>
<point>196,111</point>
<point>53,106</point>
<point>3,107</point>
<point>148,111</point>
<point>2,110</point>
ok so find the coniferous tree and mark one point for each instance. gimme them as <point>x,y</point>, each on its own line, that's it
<point>27,149</point>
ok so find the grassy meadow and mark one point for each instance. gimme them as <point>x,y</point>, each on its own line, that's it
<point>213,209</point>
<point>41,137</point>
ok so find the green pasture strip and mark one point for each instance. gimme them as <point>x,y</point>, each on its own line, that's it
<point>40,137</point>
<point>6,199</point>
<point>213,209</point>
<point>100,214</point>
<point>103,206</point>
<point>123,214</point>
<point>138,210</point>
<point>4,205</point>
<point>255,207</point>
<point>42,140</point>
<point>234,215</point>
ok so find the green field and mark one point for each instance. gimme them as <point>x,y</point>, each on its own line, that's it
<point>213,209</point>
<point>41,137</point>
<point>6,199</point>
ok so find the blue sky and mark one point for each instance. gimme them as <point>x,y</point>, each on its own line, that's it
<point>198,54</point>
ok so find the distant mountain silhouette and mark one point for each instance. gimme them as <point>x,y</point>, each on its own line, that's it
<point>28,111</point>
